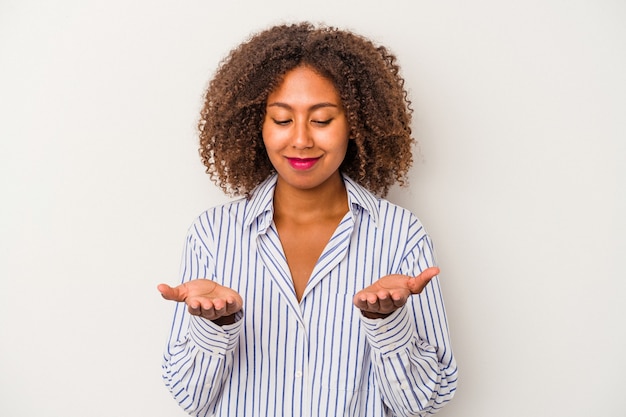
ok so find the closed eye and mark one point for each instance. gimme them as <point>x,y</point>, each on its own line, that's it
<point>322,122</point>
<point>282,122</point>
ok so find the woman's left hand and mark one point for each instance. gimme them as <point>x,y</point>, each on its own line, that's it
<point>391,292</point>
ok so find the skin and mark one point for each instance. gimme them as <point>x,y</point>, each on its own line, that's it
<point>391,292</point>
<point>305,132</point>
<point>305,121</point>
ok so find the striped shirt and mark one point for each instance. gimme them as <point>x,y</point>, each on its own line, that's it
<point>320,356</point>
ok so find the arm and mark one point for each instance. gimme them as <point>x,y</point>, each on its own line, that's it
<point>199,354</point>
<point>410,345</point>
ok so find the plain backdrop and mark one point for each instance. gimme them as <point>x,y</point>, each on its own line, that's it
<point>520,115</point>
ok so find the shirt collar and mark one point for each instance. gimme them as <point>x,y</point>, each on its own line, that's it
<point>360,197</point>
<point>261,207</point>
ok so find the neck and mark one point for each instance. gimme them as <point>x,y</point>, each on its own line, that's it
<point>310,205</point>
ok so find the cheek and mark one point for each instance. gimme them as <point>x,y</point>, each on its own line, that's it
<point>337,139</point>
<point>275,137</point>
<point>272,140</point>
<point>267,134</point>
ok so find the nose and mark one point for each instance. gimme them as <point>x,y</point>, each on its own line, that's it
<point>302,136</point>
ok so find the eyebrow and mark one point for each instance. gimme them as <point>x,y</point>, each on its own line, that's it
<point>313,107</point>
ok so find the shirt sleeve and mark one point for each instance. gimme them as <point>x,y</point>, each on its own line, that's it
<point>199,355</point>
<point>410,349</point>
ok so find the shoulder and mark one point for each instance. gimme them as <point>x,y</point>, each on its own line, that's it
<point>213,219</point>
<point>395,219</point>
<point>388,211</point>
<point>385,214</point>
<point>239,213</point>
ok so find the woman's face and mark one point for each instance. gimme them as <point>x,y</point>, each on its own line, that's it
<point>305,130</point>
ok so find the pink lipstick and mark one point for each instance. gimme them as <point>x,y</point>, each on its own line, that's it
<point>302,163</point>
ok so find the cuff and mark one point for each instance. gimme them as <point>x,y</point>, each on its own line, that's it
<point>389,334</point>
<point>214,338</point>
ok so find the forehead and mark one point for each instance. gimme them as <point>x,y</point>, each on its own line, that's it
<point>304,85</point>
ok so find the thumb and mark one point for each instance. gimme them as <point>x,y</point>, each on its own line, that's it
<point>417,284</point>
<point>169,293</point>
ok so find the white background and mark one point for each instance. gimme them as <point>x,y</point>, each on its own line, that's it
<point>520,112</point>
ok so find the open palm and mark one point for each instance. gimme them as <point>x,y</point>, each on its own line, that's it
<point>391,292</point>
<point>204,298</point>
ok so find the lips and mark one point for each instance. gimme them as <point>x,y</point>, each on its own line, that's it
<point>302,163</point>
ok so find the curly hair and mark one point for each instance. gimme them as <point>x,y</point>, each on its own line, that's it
<point>365,75</point>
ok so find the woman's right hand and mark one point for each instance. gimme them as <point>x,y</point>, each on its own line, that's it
<point>205,298</point>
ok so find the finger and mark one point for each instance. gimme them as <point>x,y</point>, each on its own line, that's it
<point>232,307</point>
<point>365,300</point>
<point>169,293</point>
<point>219,305</point>
<point>385,302</point>
<point>193,302</point>
<point>209,313</point>
<point>359,297</point>
<point>429,273</point>
<point>207,304</point>
<point>194,310</point>
<point>400,298</point>
<point>373,304</point>
<point>417,284</point>
<point>359,301</point>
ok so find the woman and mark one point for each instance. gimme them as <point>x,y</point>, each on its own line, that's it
<point>310,295</point>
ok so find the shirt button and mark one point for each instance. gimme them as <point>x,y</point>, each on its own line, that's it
<point>298,374</point>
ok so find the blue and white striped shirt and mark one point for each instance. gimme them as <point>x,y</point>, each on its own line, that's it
<point>320,356</point>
